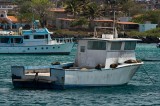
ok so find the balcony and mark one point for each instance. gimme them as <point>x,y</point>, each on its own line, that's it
<point>6,7</point>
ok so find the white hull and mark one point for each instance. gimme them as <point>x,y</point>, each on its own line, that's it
<point>104,77</point>
<point>69,78</point>
<point>55,49</point>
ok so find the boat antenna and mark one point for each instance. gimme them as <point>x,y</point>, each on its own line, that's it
<point>114,21</point>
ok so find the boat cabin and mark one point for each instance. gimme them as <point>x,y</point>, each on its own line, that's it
<point>27,37</point>
<point>94,51</point>
<point>36,36</point>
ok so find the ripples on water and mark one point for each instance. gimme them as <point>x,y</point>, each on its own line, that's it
<point>140,91</point>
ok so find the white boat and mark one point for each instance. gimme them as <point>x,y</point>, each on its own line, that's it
<point>106,61</point>
<point>37,41</point>
<point>158,45</point>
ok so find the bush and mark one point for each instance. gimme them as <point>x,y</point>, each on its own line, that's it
<point>153,32</point>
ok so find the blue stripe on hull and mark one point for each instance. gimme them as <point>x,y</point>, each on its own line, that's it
<point>55,53</point>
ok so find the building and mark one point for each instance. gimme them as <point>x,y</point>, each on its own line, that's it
<point>147,26</point>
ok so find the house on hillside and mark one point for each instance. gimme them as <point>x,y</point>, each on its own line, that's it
<point>147,26</point>
<point>8,22</point>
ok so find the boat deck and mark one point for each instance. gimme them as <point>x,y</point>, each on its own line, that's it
<point>39,74</point>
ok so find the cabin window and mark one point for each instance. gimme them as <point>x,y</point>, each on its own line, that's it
<point>26,37</point>
<point>46,36</point>
<point>116,45</point>
<point>17,40</point>
<point>82,49</point>
<point>11,40</point>
<point>38,36</point>
<point>130,46</point>
<point>2,15</point>
<point>96,45</point>
<point>4,40</point>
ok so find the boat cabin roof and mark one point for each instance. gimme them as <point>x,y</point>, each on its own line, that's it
<point>112,40</point>
<point>36,31</point>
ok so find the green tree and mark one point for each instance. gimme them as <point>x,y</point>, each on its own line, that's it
<point>92,12</point>
<point>152,16</point>
<point>23,10</point>
<point>40,9</point>
<point>34,9</point>
<point>130,8</point>
<point>73,7</point>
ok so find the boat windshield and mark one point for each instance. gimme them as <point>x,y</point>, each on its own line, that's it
<point>96,45</point>
<point>11,40</point>
<point>130,46</point>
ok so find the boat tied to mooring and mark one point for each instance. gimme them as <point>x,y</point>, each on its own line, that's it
<point>100,61</point>
<point>34,41</point>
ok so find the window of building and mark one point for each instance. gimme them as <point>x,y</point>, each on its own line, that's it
<point>2,15</point>
<point>82,49</point>
<point>116,45</point>
<point>26,37</point>
<point>38,36</point>
<point>130,46</point>
<point>96,45</point>
<point>14,26</point>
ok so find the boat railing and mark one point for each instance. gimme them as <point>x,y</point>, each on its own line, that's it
<point>64,40</point>
<point>8,33</point>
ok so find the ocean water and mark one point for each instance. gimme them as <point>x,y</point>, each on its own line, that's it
<point>143,89</point>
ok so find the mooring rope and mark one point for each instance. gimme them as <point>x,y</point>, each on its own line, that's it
<point>151,79</point>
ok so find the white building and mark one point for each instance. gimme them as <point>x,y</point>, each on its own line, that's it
<point>147,26</point>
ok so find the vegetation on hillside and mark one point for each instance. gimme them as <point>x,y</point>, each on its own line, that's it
<point>30,10</point>
<point>152,16</point>
<point>152,32</point>
<point>85,11</point>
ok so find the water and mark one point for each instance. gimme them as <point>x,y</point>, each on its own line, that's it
<point>141,90</point>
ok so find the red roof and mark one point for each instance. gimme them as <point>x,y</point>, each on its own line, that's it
<point>13,19</point>
<point>66,19</point>
<point>126,23</point>
<point>58,10</point>
<point>103,20</point>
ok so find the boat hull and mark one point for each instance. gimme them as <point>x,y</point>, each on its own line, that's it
<point>104,77</point>
<point>39,49</point>
<point>67,79</point>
